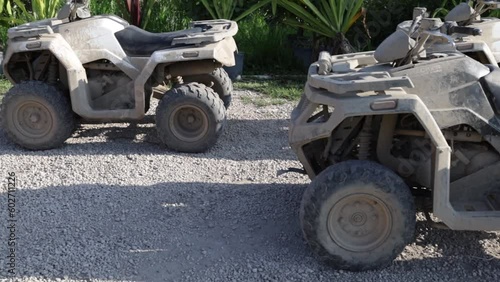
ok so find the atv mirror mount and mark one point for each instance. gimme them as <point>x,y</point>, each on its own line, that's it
<point>434,27</point>
<point>64,12</point>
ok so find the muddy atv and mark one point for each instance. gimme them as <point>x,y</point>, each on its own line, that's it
<point>377,130</point>
<point>481,47</point>
<point>100,68</point>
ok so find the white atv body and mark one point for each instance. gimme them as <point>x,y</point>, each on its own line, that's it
<point>416,119</point>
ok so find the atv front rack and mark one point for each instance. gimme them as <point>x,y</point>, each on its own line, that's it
<point>339,75</point>
<point>34,29</point>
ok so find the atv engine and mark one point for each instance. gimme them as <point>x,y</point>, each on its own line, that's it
<point>110,88</point>
<point>470,153</point>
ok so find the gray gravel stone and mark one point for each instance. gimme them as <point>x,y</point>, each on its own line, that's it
<point>115,205</point>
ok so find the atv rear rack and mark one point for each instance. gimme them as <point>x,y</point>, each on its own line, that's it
<point>213,31</point>
<point>338,74</point>
<point>216,30</point>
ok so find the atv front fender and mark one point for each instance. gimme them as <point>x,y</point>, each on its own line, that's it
<point>303,132</point>
<point>77,77</point>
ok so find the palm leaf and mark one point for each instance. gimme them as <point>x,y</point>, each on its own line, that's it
<point>354,13</point>
<point>11,20</point>
<point>361,13</point>
<point>316,12</point>
<point>8,8</point>
<point>209,9</point>
<point>331,17</point>
<point>38,8</point>
<point>52,8</point>
<point>324,17</point>
<point>255,7</point>
<point>148,9</point>
<point>25,13</point>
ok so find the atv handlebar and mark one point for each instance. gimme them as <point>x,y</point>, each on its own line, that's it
<point>465,30</point>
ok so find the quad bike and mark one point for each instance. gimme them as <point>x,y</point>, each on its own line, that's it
<point>484,47</point>
<point>377,131</point>
<point>101,68</point>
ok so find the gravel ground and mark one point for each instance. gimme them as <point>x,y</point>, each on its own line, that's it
<point>114,205</point>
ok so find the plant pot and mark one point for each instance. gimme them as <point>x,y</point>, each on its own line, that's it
<point>235,71</point>
<point>303,55</point>
<point>1,62</point>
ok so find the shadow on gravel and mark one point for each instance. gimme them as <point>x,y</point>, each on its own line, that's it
<point>242,140</point>
<point>450,255</point>
<point>184,231</point>
<point>151,233</point>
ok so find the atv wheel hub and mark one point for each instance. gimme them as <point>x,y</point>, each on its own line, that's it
<point>359,222</point>
<point>189,123</point>
<point>33,119</point>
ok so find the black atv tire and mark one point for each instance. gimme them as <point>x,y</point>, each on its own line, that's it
<point>358,215</point>
<point>190,118</point>
<point>218,80</point>
<point>37,116</point>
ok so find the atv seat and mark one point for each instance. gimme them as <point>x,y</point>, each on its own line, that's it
<point>140,43</point>
<point>491,84</point>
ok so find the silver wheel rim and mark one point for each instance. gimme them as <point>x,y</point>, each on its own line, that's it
<point>189,123</point>
<point>359,222</point>
<point>32,119</point>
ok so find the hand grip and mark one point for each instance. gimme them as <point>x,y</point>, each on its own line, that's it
<point>466,30</point>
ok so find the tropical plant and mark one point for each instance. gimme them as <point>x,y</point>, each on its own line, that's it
<point>329,19</point>
<point>14,12</point>
<point>153,15</point>
<point>225,9</point>
<point>107,7</point>
<point>45,9</point>
<point>266,45</point>
<point>445,7</point>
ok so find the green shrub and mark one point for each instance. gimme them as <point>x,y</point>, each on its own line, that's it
<point>445,8</point>
<point>15,12</point>
<point>383,16</point>
<point>197,11</point>
<point>158,16</point>
<point>112,7</point>
<point>266,46</point>
<point>3,36</point>
<point>165,16</point>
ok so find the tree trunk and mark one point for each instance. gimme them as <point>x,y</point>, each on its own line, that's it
<point>340,45</point>
<point>134,9</point>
